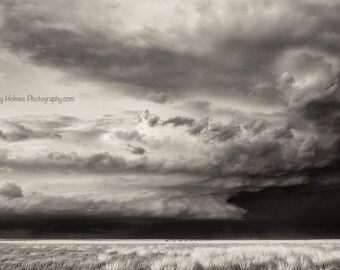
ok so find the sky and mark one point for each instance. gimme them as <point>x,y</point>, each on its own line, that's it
<point>169,119</point>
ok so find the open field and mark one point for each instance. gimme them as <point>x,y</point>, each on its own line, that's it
<point>169,255</point>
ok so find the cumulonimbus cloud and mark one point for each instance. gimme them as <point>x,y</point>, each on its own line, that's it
<point>282,53</point>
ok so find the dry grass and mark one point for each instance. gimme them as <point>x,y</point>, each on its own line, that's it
<point>169,256</point>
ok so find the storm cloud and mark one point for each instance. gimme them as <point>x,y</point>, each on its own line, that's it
<point>196,110</point>
<point>179,121</point>
<point>137,150</point>
<point>229,61</point>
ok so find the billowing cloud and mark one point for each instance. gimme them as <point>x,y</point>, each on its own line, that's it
<point>238,147</point>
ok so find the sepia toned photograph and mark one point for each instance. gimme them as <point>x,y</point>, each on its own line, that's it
<point>169,135</point>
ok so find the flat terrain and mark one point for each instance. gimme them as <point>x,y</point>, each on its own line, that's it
<point>169,255</point>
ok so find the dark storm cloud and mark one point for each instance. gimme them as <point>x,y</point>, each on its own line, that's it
<point>284,132</point>
<point>179,121</point>
<point>221,132</point>
<point>157,205</point>
<point>199,126</point>
<point>320,106</point>
<point>325,113</point>
<point>296,212</point>
<point>206,128</point>
<point>211,131</point>
<point>137,150</point>
<point>293,212</point>
<point>237,61</point>
<point>153,120</point>
<point>86,227</point>
<point>255,126</point>
<point>92,53</point>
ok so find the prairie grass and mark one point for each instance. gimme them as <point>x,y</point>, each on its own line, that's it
<point>74,255</point>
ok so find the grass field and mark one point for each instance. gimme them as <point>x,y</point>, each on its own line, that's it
<point>163,255</point>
